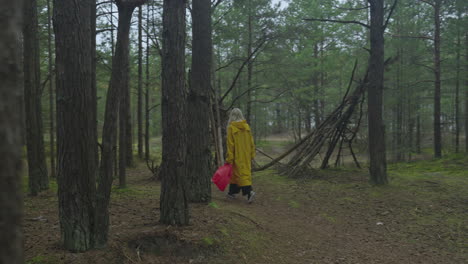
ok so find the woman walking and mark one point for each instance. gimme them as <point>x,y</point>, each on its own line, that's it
<point>240,153</point>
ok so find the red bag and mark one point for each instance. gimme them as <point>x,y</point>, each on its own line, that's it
<point>222,176</point>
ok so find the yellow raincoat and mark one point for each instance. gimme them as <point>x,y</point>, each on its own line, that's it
<point>240,152</point>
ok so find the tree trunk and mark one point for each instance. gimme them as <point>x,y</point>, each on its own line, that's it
<point>418,134</point>
<point>457,95</point>
<point>315,83</point>
<point>199,149</point>
<point>122,135</point>
<point>76,170</point>
<point>437,128</point>
<point>466,93</point>
<point>249,65</point>
<point>378,163</point>
<point>38,179</point>
<point>147,95</point>
<point>399,106</point>
<point>173,202</point>
<point>217,115</point>
<point>410,137</point>
<point>112,28</point>
<point>93,109</point>
<point>127,120</point>
<point>140,83</point>
<point>119,80</point>
<point>11,204</point>
<point>51,90</point>
<point>123,68</point>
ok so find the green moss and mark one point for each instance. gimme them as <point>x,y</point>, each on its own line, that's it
<point>271,176</point>
<point>294,204</point>
<point>246,234</point>
<point>133,192</point>
<point>53,186</point>
<point>375,193</point>
<point>224,231</point>
<point>272,143</point>
<point>41,259</point>
<point>329,218</point>
<point>348,199</point>
<point>208,241</point>
<point>213,205</point>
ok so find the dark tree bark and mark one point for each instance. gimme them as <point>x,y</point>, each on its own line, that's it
<point>250,63</point>
<point>140,83</point>
<point>457,87</point>
<point>112,27</point>
<point>128,127</point>
<point>199,150</point>
<point>119,79</point>
<point>125,9</point>
<point>457,96</point>
<point>466,93</point>
<point>315,83</point>
<point>122,133</point>
<point>399,106</point>
<point>93,109</point>
<point>378,163</point>
<point>418,134</point>
<point>173,202</point>
<point>437,128</point>
<point>11,204</point>
<point>51,90</point>
<point>38,179</point>
<point>147,94</point>
<point>76,144</point>
<point>125,116</point>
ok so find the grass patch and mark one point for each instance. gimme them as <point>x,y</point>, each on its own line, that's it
<point>245,237</point>
<point>273,177</point>
<point>208,241</point>
<point>329,218</point>
<point>272,143</point>
<point>434,193</point>
<point>129,192</point>
<point>213,205</point>
<point>224,231</point>
<point>294,204</point>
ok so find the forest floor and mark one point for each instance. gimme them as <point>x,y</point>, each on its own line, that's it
<point>331,216</point>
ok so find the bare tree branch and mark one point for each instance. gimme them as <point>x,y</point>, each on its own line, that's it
<point>153,107</point>
<point>215,4</point>
<point>229,63</point>
<point>337,21</point>
<point>354,9</point>
<point>222,16</point>
<point>239,71</point>
<point>271,100</point>
<point>413,37</point>
<point>425,66</point>
<point>104,30</point>
<point>390,14</point>
<point>154,40</point>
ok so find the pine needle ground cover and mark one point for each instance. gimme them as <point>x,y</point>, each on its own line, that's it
<point>332,216</point>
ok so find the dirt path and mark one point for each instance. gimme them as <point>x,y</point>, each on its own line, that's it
<point>306,223</point>
<point>333,218</point>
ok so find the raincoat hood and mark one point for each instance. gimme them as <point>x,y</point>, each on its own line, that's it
<point>240,125</point>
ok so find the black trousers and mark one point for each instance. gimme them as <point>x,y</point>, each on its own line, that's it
<point>234,189</point>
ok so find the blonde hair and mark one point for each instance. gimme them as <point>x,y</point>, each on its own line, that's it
<point>235,115</point>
